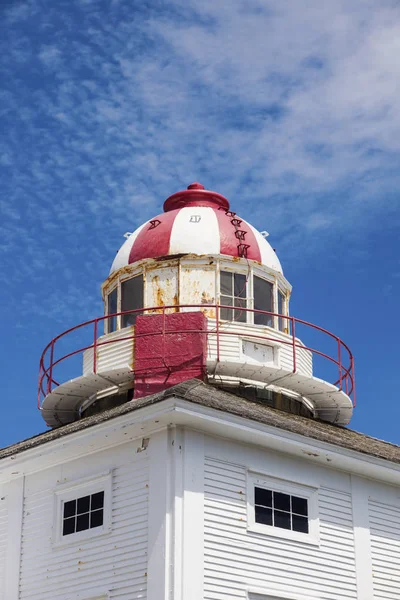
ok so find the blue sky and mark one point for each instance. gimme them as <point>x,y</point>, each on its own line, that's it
<point>289,109</point>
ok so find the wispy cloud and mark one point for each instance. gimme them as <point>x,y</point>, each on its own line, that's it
<point>290,109</point>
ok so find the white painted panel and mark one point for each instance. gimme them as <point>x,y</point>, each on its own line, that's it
<point>115,563</point>
<point>195,231</point>
<point>162,287</point>
<point>197,286</point>
<point>257,352</point>
<point>268,254</point>
<point>115,355</point>
<point>385,549</point>
<point>122,258</point>
<point>3,540</point>
<point>236,560</point>
<point>230,346</point>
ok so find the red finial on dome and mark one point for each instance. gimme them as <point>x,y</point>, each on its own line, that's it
<point>195,195</point>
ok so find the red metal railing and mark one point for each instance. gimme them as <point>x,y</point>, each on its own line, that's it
<point>345,379</point>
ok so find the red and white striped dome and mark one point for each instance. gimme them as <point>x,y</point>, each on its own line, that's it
<point>196,221</point>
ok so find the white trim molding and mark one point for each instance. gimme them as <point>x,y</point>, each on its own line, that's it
<point>73,490</point>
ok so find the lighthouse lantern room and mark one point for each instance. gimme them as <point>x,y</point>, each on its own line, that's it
<point>196,292</point>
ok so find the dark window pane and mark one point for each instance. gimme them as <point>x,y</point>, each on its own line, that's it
<point>263,515</point>
<point>82,522</point>
<point>112,307</point>
<point>299,506</point>
<point>281,310</point>
<point>69,508</point>
<point>96,518</point>
<point>226,283</point>
<point>83,505</point>
<point>97,501</point>
<point>69,526</point>
<point>263,300</point>
<point>300,524</point>
<point>282,501</point>
<point>239,285</point>
<point>131,298</point>
<point>225,313</point>
<point>263,497</point>
<point>240,315</point>
<point>281,519</point>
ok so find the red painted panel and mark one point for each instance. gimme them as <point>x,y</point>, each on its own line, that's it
<point>229,241</point>
<point>153,240</point>
<point>163,360</point>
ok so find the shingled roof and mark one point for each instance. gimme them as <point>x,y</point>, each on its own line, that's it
<point>204,394</point>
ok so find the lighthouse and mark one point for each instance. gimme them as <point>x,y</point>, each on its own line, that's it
<point>198,443</point>
<point>197,292</point>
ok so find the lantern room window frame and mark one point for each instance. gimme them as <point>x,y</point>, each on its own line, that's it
<point>279,293</point>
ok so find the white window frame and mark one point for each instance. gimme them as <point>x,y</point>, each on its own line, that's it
<point>260,594</point>
<point>77,489</point>
<point>286,487</point>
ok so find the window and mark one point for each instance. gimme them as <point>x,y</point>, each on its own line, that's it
<point>112,307</point>
<point>83,513</point>
<point>82,509</point>
<point>281,311</point>
<point>281,510</point>
<point>263,300</point>
<point>131,299</point>
<point>233,293</point>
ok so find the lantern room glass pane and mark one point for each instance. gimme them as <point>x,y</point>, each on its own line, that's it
<point>281,310</point>
<point>233,292</point>
<point>226,283</point>
<point>112,307</point>
<point>131,299</point>
<point>263,300</point>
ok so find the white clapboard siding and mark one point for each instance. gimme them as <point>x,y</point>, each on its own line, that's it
<point>3,542</point>
<point>236,560</point>
<point>115,563</point>
<point>231,344</point>
<point>385,550</point>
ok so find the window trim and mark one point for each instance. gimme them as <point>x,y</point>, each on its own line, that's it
<point>286,487</point>
<point>77,489</point>
<point>117,319</point>
<point>118,286</point>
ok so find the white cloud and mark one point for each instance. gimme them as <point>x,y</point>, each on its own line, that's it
<point>289,109</point>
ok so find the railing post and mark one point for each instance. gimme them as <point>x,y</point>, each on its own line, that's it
<point>353,381</point>
<point>40,384</point>
<point>340,364</point>
<point>95,348</point>
<point>294,344</point>
<point>217,329</point>
<point>50,374</point>
<point>163,338</point>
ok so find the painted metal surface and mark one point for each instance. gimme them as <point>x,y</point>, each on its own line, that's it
<point>236,560</point>
<point>122,258</point>
<point>385,549</point>
<point>197,286</point>
<point>3,540</point>
<point>114,351</point>
<point>162,286</point>
<point>225,358</point>
<point>199,227</point>
<point>112,565</point>
<point>170,348</point>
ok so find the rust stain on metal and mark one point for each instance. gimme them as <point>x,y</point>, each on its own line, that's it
<point>207,299</point>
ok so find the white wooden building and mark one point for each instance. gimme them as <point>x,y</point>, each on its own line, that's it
<point>199,454</point>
